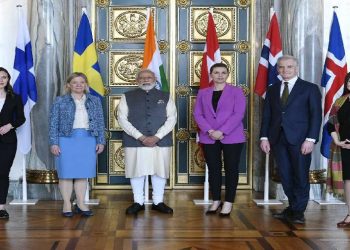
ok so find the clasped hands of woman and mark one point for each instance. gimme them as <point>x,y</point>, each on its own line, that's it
<point>6,128</point>
<point>343,144</point>
<point>216,134</point>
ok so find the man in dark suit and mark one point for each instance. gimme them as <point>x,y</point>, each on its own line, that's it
<point>290,127</point>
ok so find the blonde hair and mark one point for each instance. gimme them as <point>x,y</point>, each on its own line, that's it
<point>75,75</point>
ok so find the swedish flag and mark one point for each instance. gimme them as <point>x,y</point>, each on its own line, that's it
<point>85,57</point>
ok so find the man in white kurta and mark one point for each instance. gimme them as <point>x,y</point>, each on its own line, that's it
<point>147,116</point>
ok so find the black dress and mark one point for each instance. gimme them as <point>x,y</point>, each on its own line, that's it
<point>343,116</point>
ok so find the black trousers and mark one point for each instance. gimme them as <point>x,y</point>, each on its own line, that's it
<point>213,158</point>
<point>7,155</point>
<point>345,160</point>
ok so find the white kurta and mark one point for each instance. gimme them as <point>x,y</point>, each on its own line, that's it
<point>141,161</point>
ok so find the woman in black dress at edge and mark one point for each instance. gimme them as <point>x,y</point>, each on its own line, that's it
<point>11,117</point>
<point>339,127</point>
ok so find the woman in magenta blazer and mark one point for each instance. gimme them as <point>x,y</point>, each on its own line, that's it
<point>219,111</point>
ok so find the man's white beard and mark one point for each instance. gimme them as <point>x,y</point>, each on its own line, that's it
<point>148,86</point>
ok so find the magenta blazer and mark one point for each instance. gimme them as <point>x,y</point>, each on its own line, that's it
<point>227,118</point>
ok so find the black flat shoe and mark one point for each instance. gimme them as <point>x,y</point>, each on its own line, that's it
<point>211,212</point>
<point>161,207</point>
<point>135,208</point>
<point>67,214</point>
<point>4,214</point>
<point>82,212</point>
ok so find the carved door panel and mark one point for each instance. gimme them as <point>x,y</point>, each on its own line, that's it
<point>181,29</point>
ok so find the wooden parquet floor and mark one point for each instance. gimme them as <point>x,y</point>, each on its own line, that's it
<point>249,227</point>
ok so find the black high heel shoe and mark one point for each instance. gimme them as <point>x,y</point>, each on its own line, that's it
<point>82,212</point>
<point>209,212</point>
<point>344,224</point>
<point>224,214</point>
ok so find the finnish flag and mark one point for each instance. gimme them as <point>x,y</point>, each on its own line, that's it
<point>24,82</point>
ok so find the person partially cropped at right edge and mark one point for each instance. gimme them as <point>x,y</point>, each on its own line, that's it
<point>338,126</point>
<point>291,123</point>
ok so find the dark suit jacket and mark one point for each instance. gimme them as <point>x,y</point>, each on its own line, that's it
<point>301,117</point>
<point>12,112</point>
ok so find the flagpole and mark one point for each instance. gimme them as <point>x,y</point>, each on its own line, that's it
<point>205,200</point>
<point>87,199</point>
<point>206,180</point>
<point>24,200</point>
<point>146,182</point>
<point>146,185</point>
<point>266,200</point>
<point>24,180</point>
<point>327,198</point>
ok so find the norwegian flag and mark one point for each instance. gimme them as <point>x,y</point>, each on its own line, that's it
<point>271,51</point>
<point>333,76</point>
<point>211,53</point>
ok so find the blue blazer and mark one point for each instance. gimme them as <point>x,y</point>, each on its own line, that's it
<point>62,118</point>
<point>300,118</point>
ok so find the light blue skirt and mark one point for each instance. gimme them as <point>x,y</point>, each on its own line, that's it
<point>78,155</point>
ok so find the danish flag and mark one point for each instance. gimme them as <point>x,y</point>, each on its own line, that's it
<point>334,72</point>
<point>211,53</point>
<point>271,51</point>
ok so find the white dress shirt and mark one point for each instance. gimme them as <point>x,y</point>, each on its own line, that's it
<point>81,118</point>
<point>2,102</point>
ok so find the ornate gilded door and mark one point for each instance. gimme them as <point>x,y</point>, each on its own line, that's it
<point>181,30</point>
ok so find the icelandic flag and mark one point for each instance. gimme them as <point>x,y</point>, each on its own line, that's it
<point>271,51</point>
<point>211,53</point>
<point>85,57</point>
<point>335,69</point>
<point>151,56</point>
<point>24,82</point>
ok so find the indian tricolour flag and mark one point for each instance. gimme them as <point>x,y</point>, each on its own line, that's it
<point>151,56</point>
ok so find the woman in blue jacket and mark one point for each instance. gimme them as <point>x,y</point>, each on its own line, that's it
<point>76,136</point>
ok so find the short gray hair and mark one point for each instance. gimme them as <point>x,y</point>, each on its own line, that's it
<point>288,57</point>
